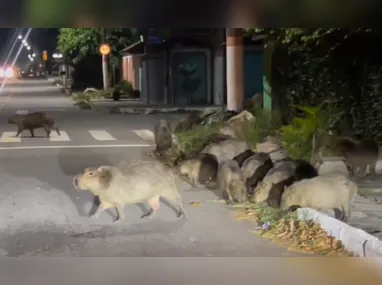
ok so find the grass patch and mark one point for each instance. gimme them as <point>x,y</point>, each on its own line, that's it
<point>194,140</point>
<point>266,123</point>
<point>77,97</point>
<point>297,235</point>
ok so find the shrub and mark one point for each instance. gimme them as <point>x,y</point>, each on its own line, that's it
<point>194,140</point>
<point>266,123</point>
<point>305,135</point>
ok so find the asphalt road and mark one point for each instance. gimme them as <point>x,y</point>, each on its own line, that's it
<point>43,215</point>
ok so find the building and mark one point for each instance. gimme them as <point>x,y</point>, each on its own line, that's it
<point>187,66</point>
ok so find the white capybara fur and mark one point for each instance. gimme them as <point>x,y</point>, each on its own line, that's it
<point>327,192</point>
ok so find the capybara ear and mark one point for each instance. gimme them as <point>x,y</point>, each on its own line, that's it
<point>103,171</point>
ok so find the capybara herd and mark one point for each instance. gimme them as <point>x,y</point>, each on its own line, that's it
<point>239,173</point>
<point>243,175</point>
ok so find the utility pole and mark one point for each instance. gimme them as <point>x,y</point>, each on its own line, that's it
<point>105,71</point>
<point>235,69</point>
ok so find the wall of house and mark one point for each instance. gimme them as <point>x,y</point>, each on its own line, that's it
<point>131,65</point>
<point>153,79</point>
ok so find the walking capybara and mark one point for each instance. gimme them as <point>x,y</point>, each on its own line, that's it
<point>163,135</point>
<point>32,121</point>
<point>358,154</point>
<point>323,193</point>
<point>230,182</point>
<point>145,181</point>
<point>254,170</point>
<point>200,170</point>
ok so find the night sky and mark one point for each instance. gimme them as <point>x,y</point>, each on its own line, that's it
<point>39,39</point>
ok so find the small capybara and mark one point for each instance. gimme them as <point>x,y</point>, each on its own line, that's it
<point>145,181</point>
<point>326,192</point>
<point>163,135</point>
<point>226,149</point>
<point>254,170</point>
<point>358,154</point>
<point>188,122</point>
<point>283,174</point>
<point>32,121</point>
<point>200,170</point>
<point>241,157</point>
<point>230,182</point>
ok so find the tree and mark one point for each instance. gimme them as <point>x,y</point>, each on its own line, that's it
<point>77,43</point>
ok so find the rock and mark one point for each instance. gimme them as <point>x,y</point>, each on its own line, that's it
<point>337,166</point>
<point>226,149</point>
<point>234,126</point>
<point>272,145</point>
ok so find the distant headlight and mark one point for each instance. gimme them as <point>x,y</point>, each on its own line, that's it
<point>9,72</point>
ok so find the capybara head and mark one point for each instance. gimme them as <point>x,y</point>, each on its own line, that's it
<point>14,119</point>
<point>344,146</point>
<point>239,192</point>
<point>289,199</point>
<point>93,179</point>
<point>262,192</point>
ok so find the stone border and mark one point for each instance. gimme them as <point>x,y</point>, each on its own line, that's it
<point>355,240</point>
<point>145,109</point>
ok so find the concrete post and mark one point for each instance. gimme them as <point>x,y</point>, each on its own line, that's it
<point>235,69</point>
<point>218,80</point>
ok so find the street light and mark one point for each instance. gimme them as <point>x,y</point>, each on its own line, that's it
<point>33,54</point>
<point>23,41</point>
<point>57,55</point>
<point>28,47</point>
<point>20,37</point>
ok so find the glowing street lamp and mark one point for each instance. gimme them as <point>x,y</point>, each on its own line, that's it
<point>34,55</point>
<point>28,47</point>
<point>23,41</point>
<point>20,37</point>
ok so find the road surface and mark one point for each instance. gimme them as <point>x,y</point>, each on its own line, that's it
<point>43,215</point>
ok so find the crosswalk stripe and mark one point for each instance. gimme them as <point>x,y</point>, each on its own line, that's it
<point>54,137</point>
<point>147,135</point>
<point>9,137</point>
<point>100,135</point>
<point>21,112</point>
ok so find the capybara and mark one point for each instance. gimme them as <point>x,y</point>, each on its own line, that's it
<point>241,157</point>
<point>226,149</point>
<point>230,182</point>
<point>254,170</point>
<point>326,192</point>
<point>200,170</point>
<point>32,121</point>
<point>283,173</point>
<point>188,122</point>
<point>358,154</point>
<point>163,135</point>
<point>145,181</point>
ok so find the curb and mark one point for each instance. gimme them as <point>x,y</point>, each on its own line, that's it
<point>355,240</point>
<point>155,110</point>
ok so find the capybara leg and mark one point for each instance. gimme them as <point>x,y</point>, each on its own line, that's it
<point>177,201</point>
<point>19,130</point>
<point>154,204</point>
<point>372,167</point>
<point>362,169</point>
<point>345,214</point>
<point>229,199</point>
<point>47,130</point>
<point>32,132</point>
<point>102,207</point>
<point>57,130</point>
<point>120,214</point>
<point>338,213</point>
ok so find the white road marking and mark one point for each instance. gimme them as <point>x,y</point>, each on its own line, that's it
<point>101,135</point>
<point>7,137</point>
<point>21,112</point>
<point>54,137</point>
<point>147,135</point>
<point>74,146</point>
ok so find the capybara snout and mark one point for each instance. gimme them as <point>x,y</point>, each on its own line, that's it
<point>89,179</point>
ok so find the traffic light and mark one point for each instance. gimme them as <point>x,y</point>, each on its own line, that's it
<point>45,55</point>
